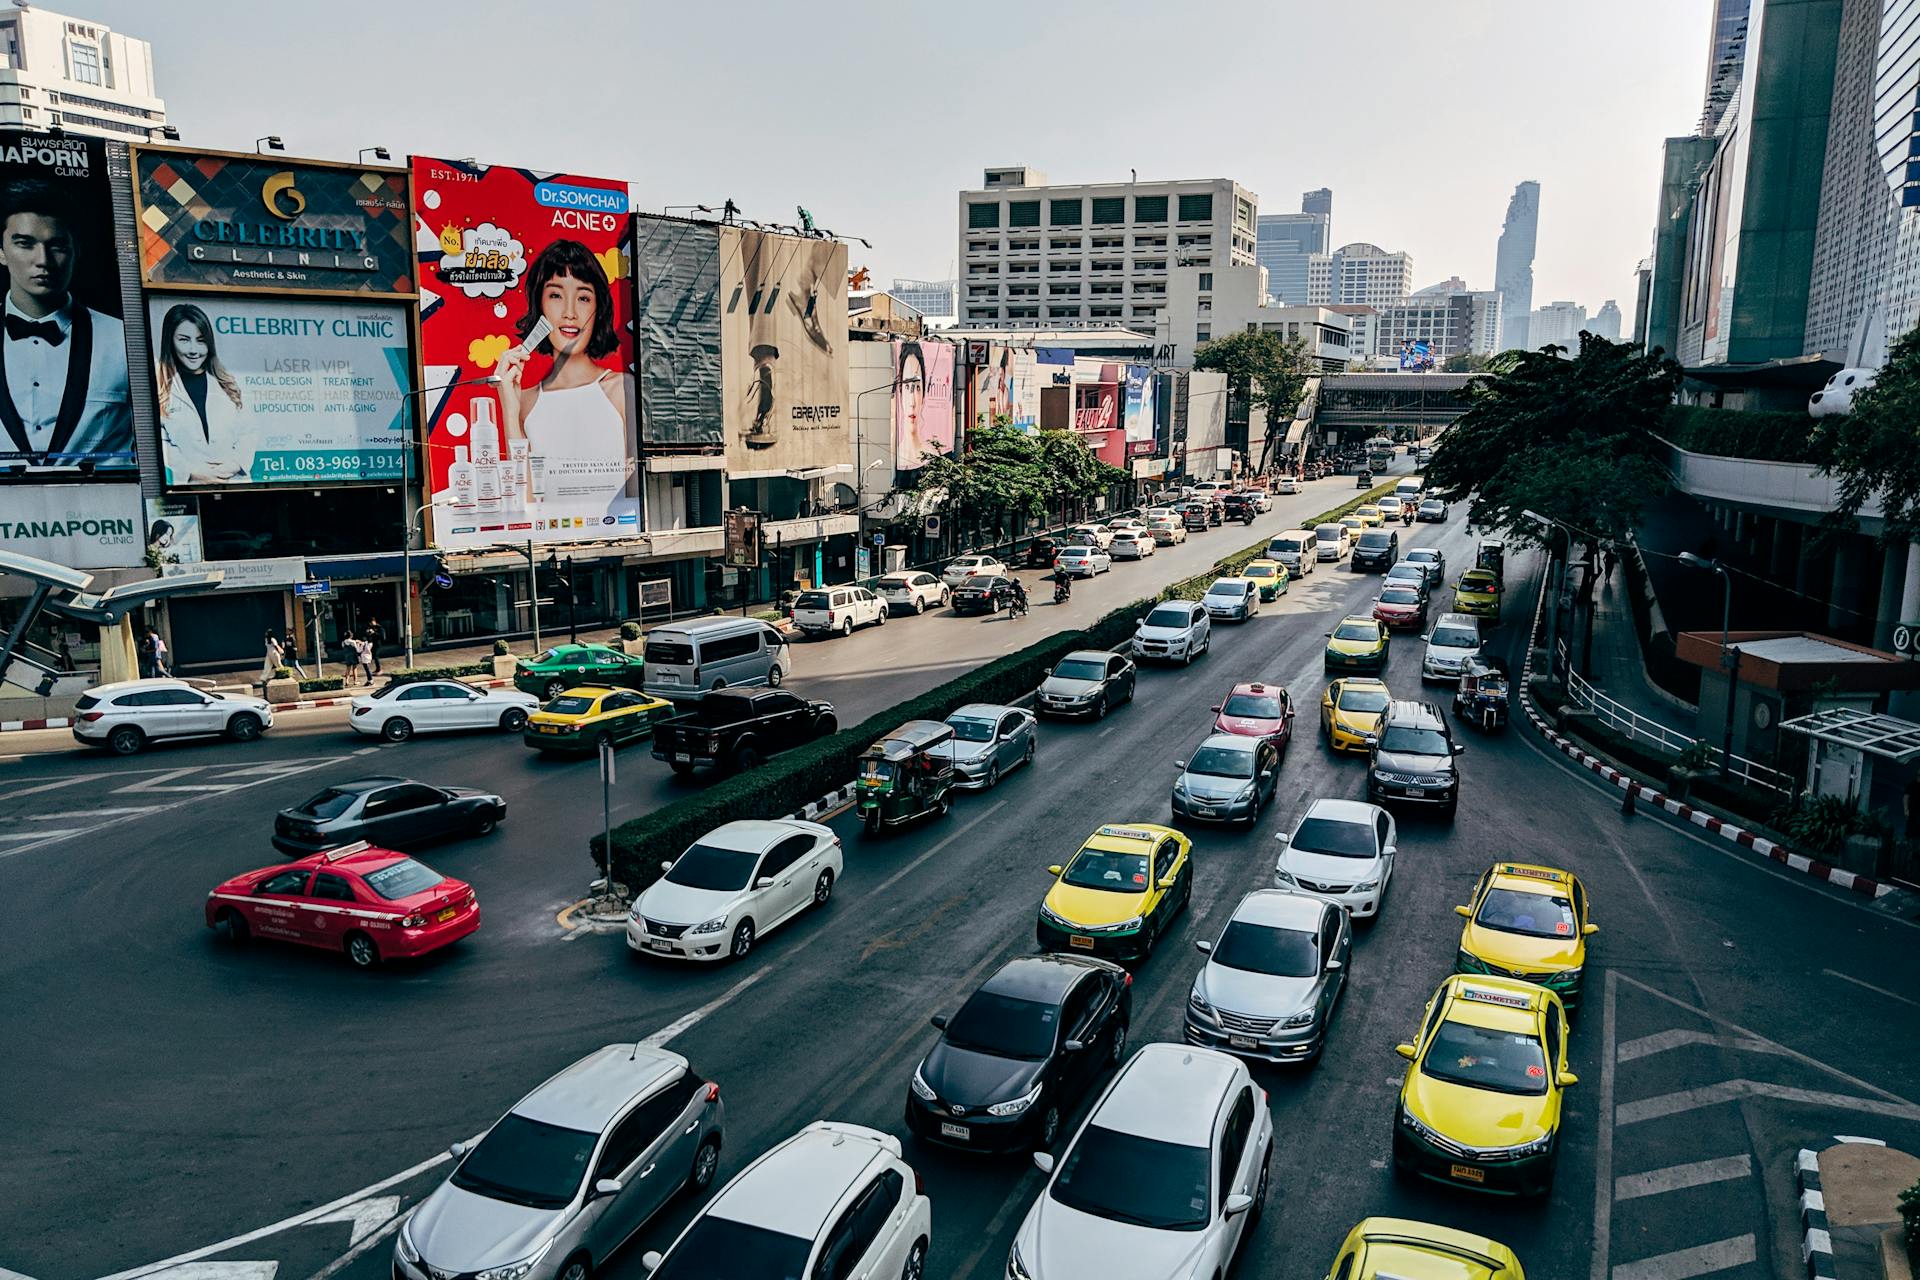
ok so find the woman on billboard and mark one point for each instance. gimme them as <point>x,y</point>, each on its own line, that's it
<point>574,419</point>
<point>201,414</point>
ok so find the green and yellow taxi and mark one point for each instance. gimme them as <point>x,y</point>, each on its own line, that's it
<point>1370,516</point>
<point>1528,922</point>
<point>1484,1091</point>
<point>1119,893</point>
<point>1401,1249</point>
<point>1477,594</point>
<point>553,671</point>
<point>586,715</point>
<point>1271,576</point>
<point>1350,712</point>
<point>1354,525</point>
<point>1357,643</point>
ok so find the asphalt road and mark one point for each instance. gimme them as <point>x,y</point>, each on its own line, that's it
<point>182,1099</point>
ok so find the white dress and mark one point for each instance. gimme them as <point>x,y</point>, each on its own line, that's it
<point>581,441</point>
<point>224,447</point>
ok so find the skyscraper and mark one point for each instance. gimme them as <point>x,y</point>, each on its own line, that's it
<point>1605,323</point>
<point>1287,240</point>
<point>1320,201</point>
<point>1513,265</point>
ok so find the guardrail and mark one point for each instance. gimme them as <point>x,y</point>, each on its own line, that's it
<point>1635,727</point>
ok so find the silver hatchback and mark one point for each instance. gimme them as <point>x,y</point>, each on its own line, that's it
<point>570,1173</point>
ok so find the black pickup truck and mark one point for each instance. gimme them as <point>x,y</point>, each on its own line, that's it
<point>739,728</point>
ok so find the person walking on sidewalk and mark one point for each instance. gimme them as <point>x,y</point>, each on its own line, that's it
<point>271,659</point>
<point>365,650</point>
<point>373,643</point>
<point>145,650</point>
<point>1607,560</point>
<point>160,665</point>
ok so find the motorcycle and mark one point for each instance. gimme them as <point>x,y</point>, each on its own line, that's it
<point>1406,517</point>
<point>1014,602</point>
<point>1062,591</point>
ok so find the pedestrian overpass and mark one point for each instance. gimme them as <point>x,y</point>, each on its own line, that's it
<point>1354,402</point>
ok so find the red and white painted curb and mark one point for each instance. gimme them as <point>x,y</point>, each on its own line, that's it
<point>56,722</point>
<point>1866,886</point>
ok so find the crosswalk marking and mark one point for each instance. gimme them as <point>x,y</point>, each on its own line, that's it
<point>1667,1104</point>
<point>1662,1041</point>
<point>1681,1264</point>
<point>1679,1177</point>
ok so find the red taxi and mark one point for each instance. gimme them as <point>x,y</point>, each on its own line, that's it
<point>1257,711</point>
<point>372,904</point>
<point>1401,608</point>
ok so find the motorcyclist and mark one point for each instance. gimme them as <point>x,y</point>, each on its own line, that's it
<point>1017,596</point>
<point>1406,514</point>
<point>1062,586</point>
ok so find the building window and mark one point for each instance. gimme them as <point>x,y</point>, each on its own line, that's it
<point>983,313</point>
<point>1205,305</point>
<point>1203,335</point>
<point>1196,208</point>
<point>1188,242</point>
<point>1023,213</point>
<point>1206,279</point>
<point>1149,208</point>
<point>1103,313</point>
<point>1149,264</point>
<point>85,59</point>
<point>1063,313</point>
<point>1066,213</point>
<point>1108,210</point>
<point>1063,290</point>
<point>1149,242</point>
<point>983,215</point>
<point>1063,266</point>
<point>1069,245</point>
<point>1023,246</point>
<point>1023,313</point>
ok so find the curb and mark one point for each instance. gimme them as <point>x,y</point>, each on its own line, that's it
<point>1816,1241</point>
<point>56,722</point>
<point>825,804</point>
<point>305,704</point>
<point>1865,886</point>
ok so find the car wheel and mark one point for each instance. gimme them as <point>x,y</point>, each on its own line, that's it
<point>1049,1127</point>
<point>126,740</point>
<point>244,727</point>
<point>742,940</point>
<point>486,825</point>
<point>1253,812</point>
<point>881,621</point>
<point>915,1267</point>
<point>706,1163</point>
<point>993,775</point>
<point>774,676</point>
<point>1031,745</point>
<point>919,606</point>
<point>745,760</point>
<point>555,688</point>
<point>361,952</point>
<point>513,721</point>
<point>846,628</point>
<point>397,729</point>
<point>823,889</point>
<point>1100,708</point>
<point>1119,1048</point>
<point>231,926</point>
<point>577,1268</point>
<point>1150,935</point>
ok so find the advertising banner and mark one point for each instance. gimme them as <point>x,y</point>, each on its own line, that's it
<point>278,390</point>
<point>524,278</point>
<point>1004,390</point>
<point>922,402</point>
<point>64,395</point>
<point>81,526</point>
<point>214,220</point>
<point>676,273</point>
<point>173,533</point>
<point>1138,414</point>
<point>783,331</point>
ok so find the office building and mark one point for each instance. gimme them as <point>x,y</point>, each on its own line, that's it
<point>1320,279</point>
<point>1513,265</point>
<point>1556,324</point>
<point>1038,255</point>
<point>1366,275</point>
<point>1286,242</point>
<point>1320,201</point>
<point>933,299</point>
<point>73,74</point>
<point>1363,324</point>
<point>1444,322</point>
<point>1605,323</point>
<point>1485,329</point>
<point>1684,161</point>
<point>1204,303</point>
<point>1725,62</point>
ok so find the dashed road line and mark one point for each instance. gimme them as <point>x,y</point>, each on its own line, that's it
<point>36,789</point>
<point>1679,1177</point>
<point>1682,1264</point>
<point>687,1020</point>
<point>1603,1138</point>
<point>1879,991</point>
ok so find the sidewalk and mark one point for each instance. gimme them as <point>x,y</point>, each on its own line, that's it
<point>1850,1195</point>
<point>464,655</point>
<point>1618,670</point>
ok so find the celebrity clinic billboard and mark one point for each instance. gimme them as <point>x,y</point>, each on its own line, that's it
<point>212,220</point>
<point>64,394</point>
<point>922,402</point>
<point>525,311</point>
<point>676,276</point>
<point>278,390</point>
<point>783,344</point>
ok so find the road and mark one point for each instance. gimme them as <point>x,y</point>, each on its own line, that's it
<point>1735,1012</point>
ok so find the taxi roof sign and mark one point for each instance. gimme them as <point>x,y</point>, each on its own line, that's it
<point>1510,999</point>
<point>340,851</point>
<point>1535,873</point>
<point>1125,833</point>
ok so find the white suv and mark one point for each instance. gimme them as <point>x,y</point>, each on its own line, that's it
<point>124,717</point>
<point>913,592</point>
<point>833,1200</point>
<point>1169,1169</point>
<point>1176,631</point>
<point>828,610</point>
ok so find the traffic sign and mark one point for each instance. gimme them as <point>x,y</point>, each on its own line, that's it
<point>315,588</point>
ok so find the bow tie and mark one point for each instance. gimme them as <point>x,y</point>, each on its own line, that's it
<point>19,329</point>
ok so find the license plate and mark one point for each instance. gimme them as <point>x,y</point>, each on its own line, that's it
<point>959,1131</point>
<point>1084,944</point>
<point>549,728</point>
<point>684,756</point>
<point>1203,810</point>
<point>447,915</point>
<point>666,677</point>
<point>1468,1173</point>
<point>1240,1042</point>
<point>658,944</point>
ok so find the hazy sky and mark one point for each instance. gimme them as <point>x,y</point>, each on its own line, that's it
<point>1420,116</point>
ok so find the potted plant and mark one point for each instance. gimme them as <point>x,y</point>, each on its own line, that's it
<point>631,641</point>
<point>504,663</point>
<point>282,687</point>
<point>1695,762</point>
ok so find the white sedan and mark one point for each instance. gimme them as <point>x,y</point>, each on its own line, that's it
<point>1083,562</point>
<point>1132,544</point>
<point>399,711</point>
<point>975,566</point>
<point>1100,533</point>
<point>736,883</point>
<point>1289,484</point>
<point>913,592</point>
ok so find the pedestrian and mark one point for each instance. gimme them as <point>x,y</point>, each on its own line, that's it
<point>1607,560</point>
<point>161,667</point>
<point>145,651</point>
<point>290,654</point>
<point>365,649</point>
<point>66,656</point>
<point>272,660</point>
<point>373,643</point>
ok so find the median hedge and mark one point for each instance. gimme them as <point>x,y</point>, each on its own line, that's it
<point>796,778</point>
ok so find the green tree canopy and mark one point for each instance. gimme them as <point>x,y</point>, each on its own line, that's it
<point>1270,369</point>
<point>1006,469</point>
<point>1876,448</point>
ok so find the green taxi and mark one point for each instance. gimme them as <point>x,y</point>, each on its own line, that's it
<point>558,669</point>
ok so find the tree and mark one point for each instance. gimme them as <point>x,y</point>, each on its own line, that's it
<point>1004,469</point>
<point>1271,371</point>
<point>1876,448</point>
<point>1466,362</point>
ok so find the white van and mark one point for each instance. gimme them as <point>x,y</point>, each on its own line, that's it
<point>1334,540</point>
<point>1410,487</point>
<point>1297,549</point>
<point>687,660</point>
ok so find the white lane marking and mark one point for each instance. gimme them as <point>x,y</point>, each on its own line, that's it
<point>1880,991</point>
<point>903,872</point>
<point>13,1275</point>
<point>366,751</point>
<point>15,794</point>
<point>1682,1264</point>
<point>687,1020</point>
<point>369,1231</point>
<point>1662,1041</point>
<point>160,783</point>
<point>47,836</point>
<point>1104,732</point>
<point>363,1216</point>
<point>1699,1173</point>
<point>1663,1105</point>
<point>90,812</point>
<point>1603,1140</point>
<point>223,1271</point>
<point>1865,1142</point>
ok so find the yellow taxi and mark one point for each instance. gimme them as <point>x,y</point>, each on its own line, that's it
<point>1118,894</point>
<point>1354,525</point>
<point>1482,1099</point>
<point>1350,712</point>
<point>1357,643</point>
<point>1477,594</point>
<point>1271,575</point>
<point>586,715</point>
<point>1370,515</point>
<point>1401,1249</point>
<point>1528,922</point>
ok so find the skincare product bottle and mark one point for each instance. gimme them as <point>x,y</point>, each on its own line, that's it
<point>537,475</point>
<point>513,473</point>
<point>486,487</point>
<point>485,432</point>
<point>460,477</point>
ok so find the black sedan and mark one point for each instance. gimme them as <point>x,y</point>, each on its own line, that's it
<point>1041,552</point>
<point>393,813</point>
<point>976,594</point>
<point>1023,1049</point>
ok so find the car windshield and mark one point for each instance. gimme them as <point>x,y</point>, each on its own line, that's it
<point>1373,539</point>
<point>527,1162</point>
<point>1259,948</point>
<point>1356,631</point>
<point>1504,1061</point>
<point>1455,638</point>
<point>568,705</point>
<point>1175,618</point>
<point>1331,532</point>
<point>669,653</point>
<point>1261,705</point>
<point>1362,699</point>
<point>716,1248</point>
<point>971,730</point>
<point>813,600</point>
<point>551,655</point>
<point>1331,836</point>
<point>1228,587</point>
<point>1140,1181</point>
<point>1080,669</point>
<point>1004,1026</point>
<point>1476,582</point>
<point>402,879</point>
<point>1262,570</point>
<point>1222,762</point>
<point>1115,872</point>
<point>1537,915</point>
<point>1399,595</point>
<point>1286,544</point>
<point>706,867</point>
<point>1414,741</point>
<point>1421,555</point>
<point>1408,573</point>
<point>330,803</point>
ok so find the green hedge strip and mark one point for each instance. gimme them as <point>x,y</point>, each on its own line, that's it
<point>413,675</point>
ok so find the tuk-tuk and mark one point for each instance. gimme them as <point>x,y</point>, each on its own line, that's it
<point>1364,480</point>
<point>1481,699</point>
<point>901,779</point>
<point>1492,555</point>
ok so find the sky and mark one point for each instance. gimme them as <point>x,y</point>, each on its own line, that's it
<point>1420,116</point>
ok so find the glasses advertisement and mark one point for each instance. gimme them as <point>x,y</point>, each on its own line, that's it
<point>922,402</point>
<point>261,391</point>
<point>676,268</point>
<point>210,220</point>
<point>65,404</point>
<point>1004,389</point>
<point>525,330</point>
<point>783,341</point>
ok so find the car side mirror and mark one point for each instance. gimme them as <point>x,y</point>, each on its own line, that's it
<point>1464,912</point>
<point>1329,635</point>
<point>1459,748</point>
<point>652,1259</point>
<point>666,865</point>
<point>607,1187</point>
<point>1567,1080</point>
<point>457,1150</point>
<point>1283,839</point>
<point>1405,1051</point>
<point>1213,708</point>
<point>1203,946</point>
<point>1588,930</point>
<point>1181,764</point>
<point>1266,775</point>
<point>1333,966</point>
<point>764,882</point>
<point>1074,1046</point>
<point>1167,882</point>
<point>1054,870</point>
<point>1238,1204</point>
<point>1043,1161</point>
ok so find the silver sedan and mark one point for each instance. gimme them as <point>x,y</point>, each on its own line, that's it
<point>1273,978</point>
<point>988,741</point>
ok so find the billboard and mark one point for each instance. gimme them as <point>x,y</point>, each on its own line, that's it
<point>676,274</point>
<point>217,220</point>
<point>1416,353</point>
<point>525,339</point>
<point>1138,415</point>
<point>173,533</point>
<point>278,390</point>
<point>65,402</point>
<point>82,526</point>
<point>783,335</point>
<point>1004,388</point>
<point>922,402</point>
